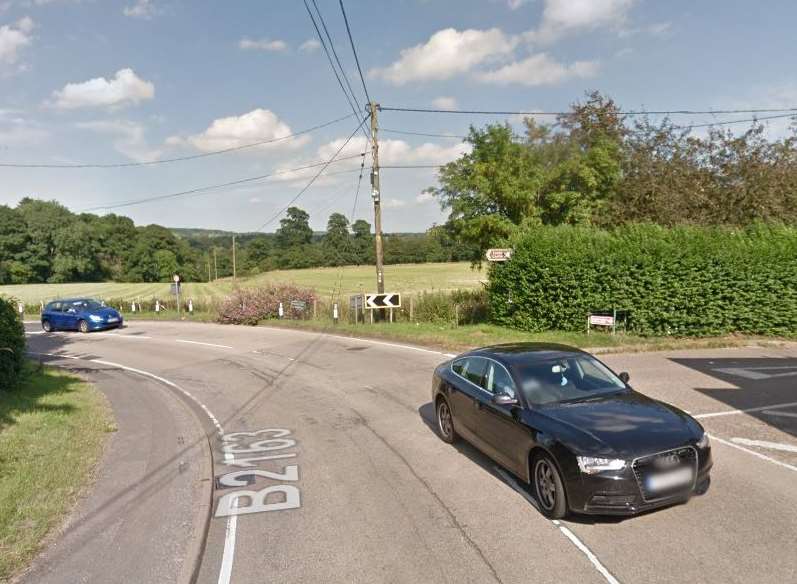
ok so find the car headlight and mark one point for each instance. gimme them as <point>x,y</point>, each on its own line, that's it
<point>592,465</point>
<point>704,441</point>
<point>95,318</point>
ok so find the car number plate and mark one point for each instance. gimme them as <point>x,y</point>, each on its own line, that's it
<point>668,480</point>
<point>113,319</point>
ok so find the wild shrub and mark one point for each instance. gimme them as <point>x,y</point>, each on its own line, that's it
<point>252,305</point>
<point>12,344</point>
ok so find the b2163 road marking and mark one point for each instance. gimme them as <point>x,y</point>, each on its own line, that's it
<point>245,501</point>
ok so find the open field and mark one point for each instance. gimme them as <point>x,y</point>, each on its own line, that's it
<point>52,430</point>
<point>404,278</point>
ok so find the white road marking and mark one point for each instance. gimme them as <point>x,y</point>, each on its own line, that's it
<point>232,520</point>
<point>753,452</point>
<point>780,414</point>
<point>225,573</point>
<point>206,344</point>
<point>754,373</point>
<point>567,533</point>
<point>746,410</point>
<point>765,444</point>
<point>394,345</point>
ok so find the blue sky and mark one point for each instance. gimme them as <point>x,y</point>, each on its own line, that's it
<point>85,81</point>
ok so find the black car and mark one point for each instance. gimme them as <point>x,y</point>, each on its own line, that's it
<point>564,422</point>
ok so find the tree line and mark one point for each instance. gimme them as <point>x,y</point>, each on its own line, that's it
<point>593,166</point>
<point>43,241</point>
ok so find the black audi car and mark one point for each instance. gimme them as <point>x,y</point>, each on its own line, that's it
<point>564,422</point>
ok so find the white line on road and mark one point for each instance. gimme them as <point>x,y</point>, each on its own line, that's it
<point>765,444</point>
<point>206,344</point>
<point>225,573</point>
<point>567,533</point>
<point>394,345</point>
<point>753,452</point>
<point>746,410</point>
<point>780,414</point>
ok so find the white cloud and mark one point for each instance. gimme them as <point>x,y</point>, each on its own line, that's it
<point>539,69</point>
<point>424,197</point>
<point>560,17</point>
<point>14,37</point>
<point>123,89</point>
<point>515,4</point>
<point>17,131</point>
<point>130,138</point>
<point>276,46</point>
<point>446,103</point>
<point>447,53</point>
<point>391,203</point>
<point>141,9</point>
<point>233,131</point>
<point>310,46</point>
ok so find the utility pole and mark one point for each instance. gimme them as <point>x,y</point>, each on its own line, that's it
<point>209,274</point>
<point>376,194</point>
<point>233,257</point>
<point>215,265</point>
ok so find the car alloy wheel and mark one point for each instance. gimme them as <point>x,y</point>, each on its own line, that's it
<point>445,421</point>
<point>46,326</point>
<point>549,488</point>
<point>83,326</point>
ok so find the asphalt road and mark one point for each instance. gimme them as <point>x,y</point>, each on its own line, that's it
<point>328,469</point>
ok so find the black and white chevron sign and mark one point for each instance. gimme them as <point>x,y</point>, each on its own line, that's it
<point>389,300</point>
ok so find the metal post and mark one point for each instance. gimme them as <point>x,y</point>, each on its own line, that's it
<point>233,258</point>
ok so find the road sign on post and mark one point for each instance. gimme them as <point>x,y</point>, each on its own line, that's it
<point>388,300</point>
<point>498,254</point>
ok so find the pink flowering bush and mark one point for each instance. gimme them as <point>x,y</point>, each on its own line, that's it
<point>251,305</point>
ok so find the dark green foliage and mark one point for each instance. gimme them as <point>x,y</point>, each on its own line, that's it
<point>454,307</point>
<point>12,344</point>
<point>672,281</point>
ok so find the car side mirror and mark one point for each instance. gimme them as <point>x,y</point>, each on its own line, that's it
<point>624,377</point>
<point>504,399</point>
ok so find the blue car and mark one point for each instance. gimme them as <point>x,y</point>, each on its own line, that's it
<point>81,314</point>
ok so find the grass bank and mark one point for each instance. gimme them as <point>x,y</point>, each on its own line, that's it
<point>52,431</point>
<point>466,337</point>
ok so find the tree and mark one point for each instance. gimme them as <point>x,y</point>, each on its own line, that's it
<point>363,243</point>
<point>42,218</point>
<point>294,229</point>
<point>13,241</point>
<point>337,240</point>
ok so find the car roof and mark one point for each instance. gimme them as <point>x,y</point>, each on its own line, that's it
<point>74,300</point>
<point>512,353</point>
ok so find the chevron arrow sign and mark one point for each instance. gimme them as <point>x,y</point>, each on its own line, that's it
<point>390,300</point>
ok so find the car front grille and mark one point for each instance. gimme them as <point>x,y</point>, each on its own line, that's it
<point>644,466</point>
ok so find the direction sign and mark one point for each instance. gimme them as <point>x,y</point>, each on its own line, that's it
<point>498,254</point>
<point>390,300</point>
<point>601,320</point>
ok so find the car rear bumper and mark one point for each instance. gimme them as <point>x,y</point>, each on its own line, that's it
<point>620,493</point>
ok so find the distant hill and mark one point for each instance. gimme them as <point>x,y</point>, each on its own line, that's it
<point>192,232</point>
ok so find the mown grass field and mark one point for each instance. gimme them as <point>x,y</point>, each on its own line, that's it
<point>405,278</point>
<point>52,430</point>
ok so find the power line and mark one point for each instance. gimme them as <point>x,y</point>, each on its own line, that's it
<point>335,53</point>
<point>354,50</point>
<point>180,158</point>
<point>621,113</point>
<point>354,109</point>
<point>131,202</point>
<point>430,135</point>
<point>727,122</point>
<point>312,180</point>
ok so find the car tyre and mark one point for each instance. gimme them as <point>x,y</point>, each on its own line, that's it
<point>47,326</point>
<point>549,489</point>
<point>445,421</point>
<point>83,326</point>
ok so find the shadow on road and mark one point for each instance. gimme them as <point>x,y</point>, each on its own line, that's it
<point>757,383</point>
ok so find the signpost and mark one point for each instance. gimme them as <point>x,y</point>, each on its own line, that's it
<point>388,300</point>
<point>498,254</point>
<point>607,320</point>
<point>176,292</point>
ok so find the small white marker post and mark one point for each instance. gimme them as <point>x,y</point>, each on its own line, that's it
<point>335,314</point>
<point>157,307</point>
<point>132,307</point>
<point>281,311</point>
<point>190,306</point>
<point>21,308</point>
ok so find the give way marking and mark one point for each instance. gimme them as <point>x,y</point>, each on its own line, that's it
<point>766,444</point>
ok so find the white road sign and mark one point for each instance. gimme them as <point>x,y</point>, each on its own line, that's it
<point>388,300</point>
<point>498,254</point>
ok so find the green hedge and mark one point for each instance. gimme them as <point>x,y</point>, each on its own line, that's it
<point>12,344</point>
<point>693,281</point>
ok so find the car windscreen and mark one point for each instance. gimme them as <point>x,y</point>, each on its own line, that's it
<point>570,378</point>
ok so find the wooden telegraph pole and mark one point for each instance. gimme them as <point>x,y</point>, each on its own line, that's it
<point>375,193</point>
<point>233,257</point>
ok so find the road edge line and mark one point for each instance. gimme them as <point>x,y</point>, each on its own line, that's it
<point>197,547</point>
<point>754,453</point>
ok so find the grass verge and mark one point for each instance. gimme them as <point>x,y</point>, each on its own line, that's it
<point>52,430</point>
<point>466,337</point>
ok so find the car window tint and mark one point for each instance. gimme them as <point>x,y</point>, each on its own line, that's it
<point>458,366</point>
<point>498,381</point>
<point>474,370</point>
<point>54,307</point>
